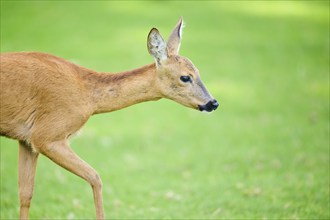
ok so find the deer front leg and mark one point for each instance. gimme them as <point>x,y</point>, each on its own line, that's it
<point>61,153</point>
<point>27,163</point>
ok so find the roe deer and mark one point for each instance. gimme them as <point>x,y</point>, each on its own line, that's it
<point>46,99</point>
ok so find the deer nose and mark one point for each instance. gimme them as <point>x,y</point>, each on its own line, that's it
<point>215,104</point>
<point>210,106</point>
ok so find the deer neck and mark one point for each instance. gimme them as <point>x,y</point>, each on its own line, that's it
<point>112,92</point>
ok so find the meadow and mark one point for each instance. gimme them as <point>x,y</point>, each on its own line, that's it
<point>263,154</point>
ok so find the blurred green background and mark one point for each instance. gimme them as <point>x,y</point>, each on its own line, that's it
<point>264,154</point>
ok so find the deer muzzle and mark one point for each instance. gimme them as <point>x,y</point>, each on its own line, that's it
<point>210,106</point>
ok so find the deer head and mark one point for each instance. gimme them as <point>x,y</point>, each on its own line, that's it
<point>177,77</point>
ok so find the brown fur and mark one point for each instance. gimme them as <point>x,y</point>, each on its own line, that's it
<point>45,99</point>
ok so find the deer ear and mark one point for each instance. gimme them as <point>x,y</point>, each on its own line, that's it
<point>174,41</point>
<point>157,46</point>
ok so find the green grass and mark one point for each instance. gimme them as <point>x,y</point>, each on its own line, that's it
<point>264,154</point>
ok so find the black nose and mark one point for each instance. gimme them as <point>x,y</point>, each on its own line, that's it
<point>215,104</point>
<point>210,106</point>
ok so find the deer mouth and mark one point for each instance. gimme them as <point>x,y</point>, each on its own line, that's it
<point>209,107</point>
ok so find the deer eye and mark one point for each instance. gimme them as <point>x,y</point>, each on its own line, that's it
<point>185,79</point>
